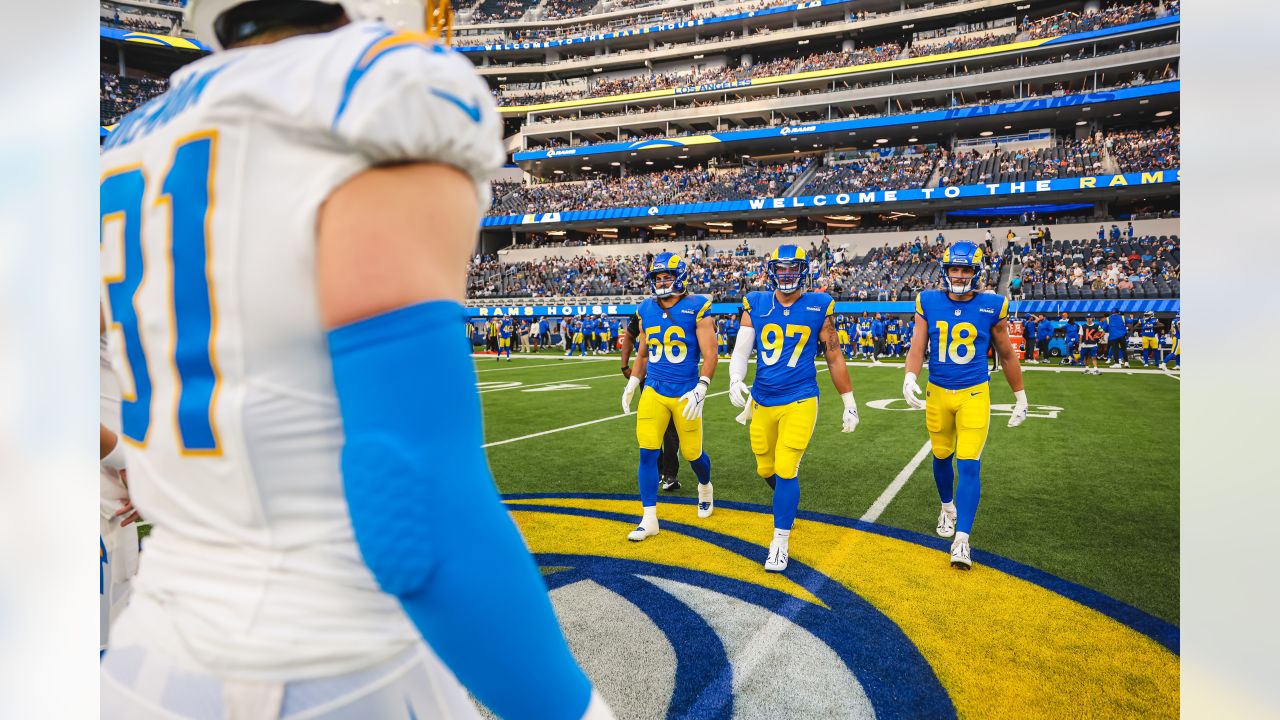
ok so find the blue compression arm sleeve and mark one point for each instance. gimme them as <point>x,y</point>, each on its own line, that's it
<point>428,519</point>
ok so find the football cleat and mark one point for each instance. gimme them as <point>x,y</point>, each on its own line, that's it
<point>669,484</point>
<point>1162,367</point>
<point>960,555</point>
<point>946,523</point>
<point>706,503</point>
<point>641,532</point>
<point>777,560</point>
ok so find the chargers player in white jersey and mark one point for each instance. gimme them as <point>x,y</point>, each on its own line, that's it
<point>285,235</point>
<point>117,533</point>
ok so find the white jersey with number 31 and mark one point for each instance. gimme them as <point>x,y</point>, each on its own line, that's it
<point>209,196</point>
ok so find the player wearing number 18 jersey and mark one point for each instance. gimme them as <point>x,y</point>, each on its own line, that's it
<point>957,326</point>
<point>784,327</point>
<point>677,331</point>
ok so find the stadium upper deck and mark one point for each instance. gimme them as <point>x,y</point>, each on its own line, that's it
<point>794,118</point>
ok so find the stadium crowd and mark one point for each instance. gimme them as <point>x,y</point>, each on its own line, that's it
<point>885,273</point>
<point>910,169</point>
<point>491,11</point>
<point>1115,261</point>
<point>119,95</point>
<point>664,187</point>
<point>1146,149</point>
<point>1044,27</point>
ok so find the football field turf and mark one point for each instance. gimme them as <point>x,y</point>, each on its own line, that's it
<point>1073,599</point>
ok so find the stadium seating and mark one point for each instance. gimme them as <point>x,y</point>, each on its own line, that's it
<point>1143,268</point>
<point>119,95</point>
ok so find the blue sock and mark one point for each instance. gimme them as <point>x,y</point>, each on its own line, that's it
<point>967,493</point>
<point>786,500</point>
<point>944,475</point>
<point>702,468</point>
<point>647,476</point>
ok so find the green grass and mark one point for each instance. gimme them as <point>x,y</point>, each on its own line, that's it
<point>1091,496</point>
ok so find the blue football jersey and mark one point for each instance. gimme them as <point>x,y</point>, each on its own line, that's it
<point>786,345</point>
<point>1148,327</point>
<point>959,336</point>
<point>504,330</point>
<point>672,338</point>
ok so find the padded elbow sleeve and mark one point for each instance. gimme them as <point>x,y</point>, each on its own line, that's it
<point>742,353</point>
<point>428,519</point>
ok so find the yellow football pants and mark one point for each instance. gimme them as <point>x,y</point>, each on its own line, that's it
<point>780,435</point>
<point>958,420</point>
<point>1150,343</point>
<point>653,414</point>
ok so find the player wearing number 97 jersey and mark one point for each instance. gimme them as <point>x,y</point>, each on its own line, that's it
<point>957,326</point>
<point>285,235</point>
<point>677,331</point>
<point>783,327</point>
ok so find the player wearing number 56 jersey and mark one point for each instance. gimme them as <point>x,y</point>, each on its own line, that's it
<point>677,331</point>
<point>784,327</point>
<point>285,234</point>
<point>957,326</point>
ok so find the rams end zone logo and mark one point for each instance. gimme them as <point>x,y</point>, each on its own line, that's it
<point>867,621</point>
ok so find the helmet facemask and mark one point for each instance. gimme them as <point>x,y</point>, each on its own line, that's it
<point>788,275</point>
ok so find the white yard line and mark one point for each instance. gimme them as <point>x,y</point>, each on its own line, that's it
<point>886,497</point>
<point>574,426</point>
<point>549,382</point>
<point>558,363</point>
<point>547,356</point>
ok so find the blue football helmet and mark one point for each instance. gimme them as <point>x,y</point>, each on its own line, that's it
<point>962,254</point>
<point>788,268</point>
<point>668,263</point>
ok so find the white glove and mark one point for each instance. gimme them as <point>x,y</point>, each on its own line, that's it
<point>744,417</point>
<point>692,400</point>
<point>739,393</point>
<point>1019,408</point>
<point>633,382</point>
<point>850,420</point>
<point>911,392</point>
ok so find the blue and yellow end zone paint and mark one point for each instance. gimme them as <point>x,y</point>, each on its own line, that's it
<point>924,640</point>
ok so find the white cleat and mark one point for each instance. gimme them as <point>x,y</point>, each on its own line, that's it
<point>706,501</point>
<point>1115,365</point>
<point>946,523</point>
<point>777,560</point>
<point>641,532</point>
<point>1162,367</point>
<point>960,556</point>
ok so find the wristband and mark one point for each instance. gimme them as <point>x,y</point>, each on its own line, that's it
<point>849,403</point>
<point>704,380</point>
<point>1020,396</point>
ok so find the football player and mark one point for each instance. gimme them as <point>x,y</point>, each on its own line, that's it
<point>784,327</point>
<point>1149,329</point>
<point>866,342</point>
<point>676,329</point>
<point>842,337</point>
<point>957,326</point>
<point>1175,352</point>
<point>117,533</point>
<point>285,235</point>
<point>892,332</point>
<point>505,333</point>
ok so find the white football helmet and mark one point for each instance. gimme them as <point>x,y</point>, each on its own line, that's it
<point>395,14</point>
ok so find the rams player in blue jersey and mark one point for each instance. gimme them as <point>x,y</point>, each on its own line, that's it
<point>504,338</point>
<point>784,327</point>
<point>678,332</point>
<point>1175,332</point>
<point>892,336</point>
<point>957,326</point>
<point>1149,329</point>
